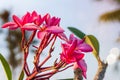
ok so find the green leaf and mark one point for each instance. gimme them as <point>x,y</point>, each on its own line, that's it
<point>6,67</point>
<point>77,32</point>
<point>93,42</point>
<point>21,75</point>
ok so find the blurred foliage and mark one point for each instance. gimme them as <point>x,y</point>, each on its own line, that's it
<point>6,67</point>
<point>13,40</point>
<point>5,16</point>
<point>21,75</point>
<point>111,16</point>
<point>118,1</point>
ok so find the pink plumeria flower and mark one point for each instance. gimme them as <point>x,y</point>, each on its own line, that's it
<point>27,22</point>
<point>82,65</point>
<point>81,45</point>
<point>73,52</point>
<point>51,25</point>
<point>69,55</point>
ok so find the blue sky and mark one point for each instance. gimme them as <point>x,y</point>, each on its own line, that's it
<point>82,14</point>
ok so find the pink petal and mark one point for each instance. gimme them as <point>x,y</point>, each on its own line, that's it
<point>47,19</point>
<point>71,38</point>
<point>80,41</point>
<point>83,66</point>
<point>30,26</point>
<point>72,47</point>
<point>85,47</point>
<point>41,35</point>
<point>54,21</point>
<point>34,14</point>
<point>63,47</point>
<point>78,56</point>
<point>17,21</point>
<point>63,37</point>
<point>84,74</point>
<point>26,18</point>
<point>11,25</point>
<point>54,29</point>
<point>57,21</point>
<point>38,20</point>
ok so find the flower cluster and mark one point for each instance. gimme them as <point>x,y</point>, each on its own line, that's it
<point>33,21</point>
<point>48,29</point>
<point>73,52</point>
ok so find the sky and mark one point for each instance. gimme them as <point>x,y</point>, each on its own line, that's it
<point>82,14</point>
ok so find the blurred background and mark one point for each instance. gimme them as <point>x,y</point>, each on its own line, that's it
<point>100,18</point>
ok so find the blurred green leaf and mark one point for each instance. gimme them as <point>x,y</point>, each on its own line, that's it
<point>21,75</point>
<point>93,42</point>
<point>77,32</point>
<point>111,16</point>
<point>6,67</point>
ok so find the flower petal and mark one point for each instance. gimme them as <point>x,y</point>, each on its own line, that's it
<point>10,25</point>
<point>85,47</point>
<point>47,19</point>
<point>30,26</point>
<point>34,14</point>
<point>41,35</point>
<point>78,56</point>
<point>83,66</point>
<point>72,48</point>
<point>54,29</point>
<point>71,38</point>
<point>17,21</point>
<point>27,18</point>
<point>63,37</point>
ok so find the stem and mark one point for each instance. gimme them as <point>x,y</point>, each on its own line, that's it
<point>50,39</point>
<point>65,68</point>
<point>36,58</point>
<point>31,38</point>
<point>26,69</point>
<point>49,55</point>
<point>23,39</point>
<point>32,75</point>
<point>25,66</point>
<point>101,70</point>
<point>39,51</point>
<point>78,74</point>
<point>45,75</point>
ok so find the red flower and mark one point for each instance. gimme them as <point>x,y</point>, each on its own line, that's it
<point>27,22</point>
<point>51,25</point>
<point>73,52</point>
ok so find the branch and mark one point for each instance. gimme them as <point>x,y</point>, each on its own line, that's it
<point>101,71</point>
<point>78,74</point>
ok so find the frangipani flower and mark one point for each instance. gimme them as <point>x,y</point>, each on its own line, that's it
<point>27,22</point>
<point>34,21</point>
<point>73,52</point>
<point>51,26</point>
